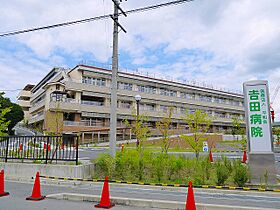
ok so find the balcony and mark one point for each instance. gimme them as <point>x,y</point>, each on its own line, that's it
<point>66,105</point>
<point>93,103</point>
<point>37,106</point>
<point>24,94</point>
<point>24,103</point>
<point>86,123</point>
<point>36,118</point>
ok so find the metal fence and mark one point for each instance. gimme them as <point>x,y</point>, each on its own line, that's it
<point>43,148</point>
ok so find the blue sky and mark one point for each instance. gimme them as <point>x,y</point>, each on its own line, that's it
<point>220,43</point>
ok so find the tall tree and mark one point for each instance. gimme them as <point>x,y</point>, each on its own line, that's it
<point>199,123</point>
<point>15,114</point>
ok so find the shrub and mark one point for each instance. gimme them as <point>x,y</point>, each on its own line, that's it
<point>240,173</point>
<point>222,171</point>
<point>104,165</point>
<point>202,171</point>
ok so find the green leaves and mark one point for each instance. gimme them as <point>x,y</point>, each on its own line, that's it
<point>164,127</point>
<point>13,115</point>
<point>199,123</point>
<point>4,124</point>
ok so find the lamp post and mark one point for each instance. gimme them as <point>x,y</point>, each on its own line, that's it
<point>137,99</point>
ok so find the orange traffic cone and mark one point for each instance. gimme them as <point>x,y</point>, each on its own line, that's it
<point>105,197</point>
<point>210,156</point>
<point>244,159</point>
<point>36,193</point>
<point>190,204</point>
<point>2,192</point>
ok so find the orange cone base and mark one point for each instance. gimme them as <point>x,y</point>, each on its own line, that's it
<point>104,207</point>
<point>35,199</point>
<point>4,194</point>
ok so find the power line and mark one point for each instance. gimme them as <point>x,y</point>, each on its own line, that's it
<point>69,23</point>
<point>15,90</point>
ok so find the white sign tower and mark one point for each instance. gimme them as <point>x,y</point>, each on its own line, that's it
<point>259,132</point>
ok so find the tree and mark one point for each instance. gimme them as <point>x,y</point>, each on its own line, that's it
<point>164,127</point>
<point>15,114</point>
<point>3,122</point>
<point>140,129</point>
<point>199,123</point>
<point>142,132</point>
<point>236,128</point>
<point>276,133</point>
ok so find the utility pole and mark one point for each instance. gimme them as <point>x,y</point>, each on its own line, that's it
<point>114,80</point>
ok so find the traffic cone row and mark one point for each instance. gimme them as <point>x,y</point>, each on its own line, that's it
<point>244,159</point>
<point>36,193</point>
<point>105,196</point>
<point>106,203</point>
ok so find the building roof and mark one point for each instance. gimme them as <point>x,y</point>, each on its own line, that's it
<point>170,82</point>
<point>28,87</point>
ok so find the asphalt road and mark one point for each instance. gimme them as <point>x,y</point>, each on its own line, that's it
<point>19,191</point>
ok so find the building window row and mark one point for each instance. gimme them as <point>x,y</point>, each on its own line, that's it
<point>94,81</point>
<point>147,89</point>
<point>162,91</point>
<point>124,86</point>
<point>167,92</point>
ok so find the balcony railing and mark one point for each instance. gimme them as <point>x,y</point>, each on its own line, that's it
<point>93,103</point>
<point>86,123</point>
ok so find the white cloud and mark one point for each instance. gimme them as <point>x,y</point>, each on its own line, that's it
<point>242,37</point>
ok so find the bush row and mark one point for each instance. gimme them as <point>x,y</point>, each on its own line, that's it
<point>130,165</point>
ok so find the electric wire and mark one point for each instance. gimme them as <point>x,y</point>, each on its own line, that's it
<point>69,23</point>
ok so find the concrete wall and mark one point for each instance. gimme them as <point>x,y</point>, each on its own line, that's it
<point>26,170</point>
<point>228,137</point>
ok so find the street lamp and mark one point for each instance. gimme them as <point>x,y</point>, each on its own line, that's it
<point>137,99</point>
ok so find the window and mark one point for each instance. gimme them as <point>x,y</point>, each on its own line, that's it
<point>166,92</point>
<point>216,100</point>
<point>223,101</point>
<point>205,98</point>
<point>191,111</point>
<point>124,104</point>
<point>163,108</point>
<point>187,95</point>
<point>124,86</point>
<point>183,110</point>
<point>94,81</point>
<point>235,103</point>
<point>150,107</point>
<point>146,89</point>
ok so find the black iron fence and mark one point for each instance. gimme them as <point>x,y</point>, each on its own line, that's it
<point>43,148</point>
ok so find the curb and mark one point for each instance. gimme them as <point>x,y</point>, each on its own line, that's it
<point>165,185</point>
<point>147,203</point>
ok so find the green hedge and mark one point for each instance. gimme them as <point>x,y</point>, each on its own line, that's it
<point>164,168</point>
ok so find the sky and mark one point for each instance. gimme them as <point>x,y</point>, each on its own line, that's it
<point>214,42</point>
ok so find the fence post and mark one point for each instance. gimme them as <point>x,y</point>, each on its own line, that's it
<point>47,149</point>
<point>77,151</point>
<point>7,150</point>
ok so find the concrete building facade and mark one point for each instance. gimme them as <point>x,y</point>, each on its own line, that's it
<point>78,100</point>
<point>23,99</point>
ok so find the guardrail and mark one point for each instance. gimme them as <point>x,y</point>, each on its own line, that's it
<point>43,148</point>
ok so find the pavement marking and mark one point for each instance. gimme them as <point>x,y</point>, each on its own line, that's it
<point>165,184</point>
